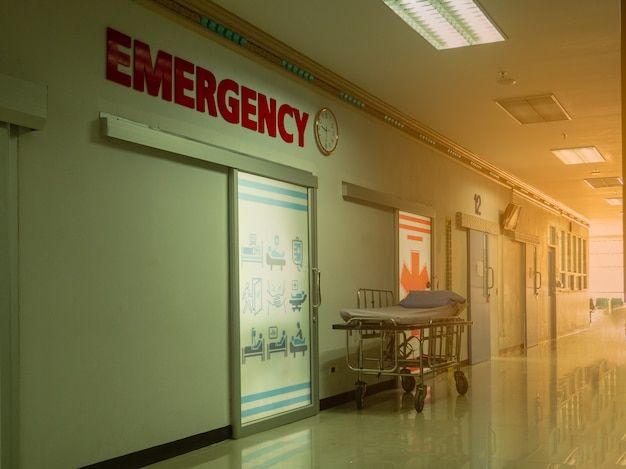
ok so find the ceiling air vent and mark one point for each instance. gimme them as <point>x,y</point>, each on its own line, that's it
<point>534,109</point>
<point>599,183</point>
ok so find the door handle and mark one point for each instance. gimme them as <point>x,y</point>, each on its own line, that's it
<point>318,287</point>
<point>538,283</point>
<point>490,278</point>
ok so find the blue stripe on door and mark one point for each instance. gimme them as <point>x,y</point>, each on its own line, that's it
<point>268,201</point>
<point>274,189</point>
<point>274,392</point>
<point>275,405</point>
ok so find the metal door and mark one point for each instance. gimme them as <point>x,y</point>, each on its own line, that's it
<point>481,281</point>
<point>532,284</point>
<point>552,291</point>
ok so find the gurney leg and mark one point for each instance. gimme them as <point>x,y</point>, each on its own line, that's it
<point>359,394</point>
<point>408,382</point>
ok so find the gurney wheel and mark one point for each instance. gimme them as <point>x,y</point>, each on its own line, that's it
<point>408,382</point>
<point>420,397</point>
<point>359,395</point>
<point>461,383</point>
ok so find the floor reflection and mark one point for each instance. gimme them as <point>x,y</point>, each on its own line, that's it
<point>561,405</point>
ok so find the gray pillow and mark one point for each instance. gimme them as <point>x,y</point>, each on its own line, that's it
<point>431,299</point>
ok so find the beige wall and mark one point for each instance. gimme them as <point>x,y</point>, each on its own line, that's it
<point>123,265</point>
<point>572,306</point>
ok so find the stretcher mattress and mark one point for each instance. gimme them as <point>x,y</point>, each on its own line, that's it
<point>402,315</point>
<point>417,307</point>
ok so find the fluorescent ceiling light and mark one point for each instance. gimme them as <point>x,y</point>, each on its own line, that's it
<point>615,201</point>
<point>447,24</point>
<point>579,155</point>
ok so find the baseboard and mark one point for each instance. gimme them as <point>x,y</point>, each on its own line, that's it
<point>512,351</point>
<point>155,454</point>
<point>338,399</point>
<point>166,451</point>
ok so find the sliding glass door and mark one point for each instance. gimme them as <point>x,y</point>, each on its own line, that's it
<point>275,338</point>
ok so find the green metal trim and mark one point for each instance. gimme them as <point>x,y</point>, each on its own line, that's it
<point>300,72</point>
<point>223,31</point>
<point>351,99</point>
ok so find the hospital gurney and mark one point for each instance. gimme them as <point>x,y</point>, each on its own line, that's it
<point>409,342</point>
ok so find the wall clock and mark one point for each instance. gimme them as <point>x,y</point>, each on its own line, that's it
<point>326,131</point>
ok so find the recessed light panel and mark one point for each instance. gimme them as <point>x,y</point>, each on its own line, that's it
<point>615,201</point>
<point>447,24</point>
<point>580,155</point>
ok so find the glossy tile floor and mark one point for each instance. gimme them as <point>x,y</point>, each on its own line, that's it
<point>562,405</point>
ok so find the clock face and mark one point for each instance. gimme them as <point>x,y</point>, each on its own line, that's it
<point>326,131</point>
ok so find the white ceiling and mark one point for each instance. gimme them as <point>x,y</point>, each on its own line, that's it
<point>570,48</point>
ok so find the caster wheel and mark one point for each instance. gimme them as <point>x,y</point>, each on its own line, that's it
<point>461,382</point>
<point>420,397</point>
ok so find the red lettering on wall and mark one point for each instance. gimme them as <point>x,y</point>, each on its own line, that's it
<point>228,105</point>
<point>182,83</point>
<point>129,63</point>
<point>267,115</point>
<point>301,120</point>
<point>154,77</point>
<point>115,57</point>
<point>284,110</point>
<point>206,86</point>
<point>247,108</point>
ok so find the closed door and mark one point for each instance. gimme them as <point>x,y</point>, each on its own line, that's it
<point>552,291</point>
<point>532,286</point>
<point>276,311</point>
<point>414,247</point>
<point>481,281</point>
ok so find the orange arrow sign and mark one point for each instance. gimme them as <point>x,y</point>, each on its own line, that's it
<point>415,279</point>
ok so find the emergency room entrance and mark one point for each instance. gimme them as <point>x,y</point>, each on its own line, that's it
<point>268,285</point>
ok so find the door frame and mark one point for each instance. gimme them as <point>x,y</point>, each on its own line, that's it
<point>9,297</point>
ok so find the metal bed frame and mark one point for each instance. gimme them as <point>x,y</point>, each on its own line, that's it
<point>386,348</point>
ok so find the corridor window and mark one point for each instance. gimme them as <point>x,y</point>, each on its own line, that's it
<point>573,264</point>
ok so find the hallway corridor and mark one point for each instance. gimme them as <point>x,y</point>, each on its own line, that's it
<point>563,405</point>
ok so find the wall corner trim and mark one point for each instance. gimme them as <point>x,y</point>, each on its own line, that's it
<point>355,193</point>
<point>23,103</point>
